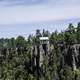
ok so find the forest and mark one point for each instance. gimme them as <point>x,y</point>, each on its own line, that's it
<point>15,56</point>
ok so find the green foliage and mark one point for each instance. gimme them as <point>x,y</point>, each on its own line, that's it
<point>17,65</point>
<point>20,42</point>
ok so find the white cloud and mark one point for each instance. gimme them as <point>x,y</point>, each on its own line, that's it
<point>65,2</point>
<point>39,12</point>
<point>49,11</point>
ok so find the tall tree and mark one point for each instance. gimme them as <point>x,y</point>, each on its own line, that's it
<point>70,35</point>
<point>20,41</point>
<point>78,32</point>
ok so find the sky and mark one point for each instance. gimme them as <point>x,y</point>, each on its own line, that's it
<point>23,17</point>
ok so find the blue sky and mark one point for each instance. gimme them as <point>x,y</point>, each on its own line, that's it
<point>23,17</point>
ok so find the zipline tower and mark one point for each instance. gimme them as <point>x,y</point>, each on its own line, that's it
<point>39,52</point>
<point>44,48</point>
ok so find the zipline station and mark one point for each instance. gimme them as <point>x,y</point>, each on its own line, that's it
<point>44,40</point>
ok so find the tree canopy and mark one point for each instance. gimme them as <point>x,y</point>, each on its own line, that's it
<point>16,65</point>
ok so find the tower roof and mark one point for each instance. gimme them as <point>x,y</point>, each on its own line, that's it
<point>44,38</point>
